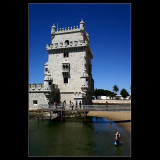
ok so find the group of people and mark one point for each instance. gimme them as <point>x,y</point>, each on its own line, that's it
<point>76,105</point>
<point>71,104</point>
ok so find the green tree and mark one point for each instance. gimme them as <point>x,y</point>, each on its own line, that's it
<point>115,89</point>
<point>95,93</point>
<point>124,93</point>
<point>102,92</point>
<point>112,94</point>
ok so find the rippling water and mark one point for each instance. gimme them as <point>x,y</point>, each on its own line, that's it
<point>74,138</point>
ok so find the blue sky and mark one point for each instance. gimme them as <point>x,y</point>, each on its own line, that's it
<point>109,28</point>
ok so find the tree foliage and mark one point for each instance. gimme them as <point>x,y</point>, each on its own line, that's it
<point>102,92</point>
<point>124,93</point>
<point>115,88</point>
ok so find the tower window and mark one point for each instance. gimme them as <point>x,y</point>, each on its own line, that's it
<point>46,69</point>
<point>34,101</point>
<point>49,83</point>
<point>65,79</point>
<point>86,79</point>
<point>66,54</point>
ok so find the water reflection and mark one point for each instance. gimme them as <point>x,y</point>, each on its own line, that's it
<point>100,120</point>
<point>118,150</point>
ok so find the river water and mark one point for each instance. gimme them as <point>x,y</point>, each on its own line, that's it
<point>75,138</point>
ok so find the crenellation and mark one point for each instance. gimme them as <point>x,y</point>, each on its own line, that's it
<point>40,86</point>
<point>67,29</point>
<point>35,87</point>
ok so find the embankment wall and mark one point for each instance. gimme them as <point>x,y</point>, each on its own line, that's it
<point>103,101</point>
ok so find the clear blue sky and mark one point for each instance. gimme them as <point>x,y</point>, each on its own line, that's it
<point>109,28</point>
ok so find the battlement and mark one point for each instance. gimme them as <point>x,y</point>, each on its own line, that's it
<point>67,30</point>
<point>37,87</point>
<point>55,30</point>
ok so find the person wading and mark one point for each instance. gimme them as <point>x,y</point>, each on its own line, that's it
<point>117,137</point>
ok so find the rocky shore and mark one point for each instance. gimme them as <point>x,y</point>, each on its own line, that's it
<point>46,115</point>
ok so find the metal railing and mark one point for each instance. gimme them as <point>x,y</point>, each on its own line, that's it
<point>87,107</point>
<point>109,108</point>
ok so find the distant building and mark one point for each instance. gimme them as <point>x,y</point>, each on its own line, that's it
<point>68,70</point>
<point>103,97</point>
<point>119,97</point>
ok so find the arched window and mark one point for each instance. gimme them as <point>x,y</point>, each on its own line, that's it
<point>65,79</point>
<point>64,66</point>
<point>67,42</point>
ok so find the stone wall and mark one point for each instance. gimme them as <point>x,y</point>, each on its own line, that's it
<point>39,97</point>
<point>61,38</point>
<point>75,60</point>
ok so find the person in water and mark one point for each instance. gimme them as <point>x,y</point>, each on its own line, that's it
<point>117,137</point>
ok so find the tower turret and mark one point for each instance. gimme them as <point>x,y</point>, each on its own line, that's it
<point>84,80</point>
<point>82,25</point>
<point>87,36</point>
<point>53,30</point>
<point>48,82</point>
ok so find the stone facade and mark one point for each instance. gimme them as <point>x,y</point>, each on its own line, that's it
<point>69,65</point>
<point>40,95</point>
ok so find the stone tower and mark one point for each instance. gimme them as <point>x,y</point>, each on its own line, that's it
<point>69,63</point>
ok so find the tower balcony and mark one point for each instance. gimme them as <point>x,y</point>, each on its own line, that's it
<point>84,88</point>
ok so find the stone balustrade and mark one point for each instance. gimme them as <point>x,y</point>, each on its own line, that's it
<point>78,95</point>
<point>65,45</point>
<point>40,87</point>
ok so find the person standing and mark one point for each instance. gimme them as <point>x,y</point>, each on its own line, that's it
<point>106,105</point>
<point>80,104</point>
<point>117,137</point>
<point>72,105</point>
<point>64,104</point>
<point>76,104</point>
<point>56,104</point>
